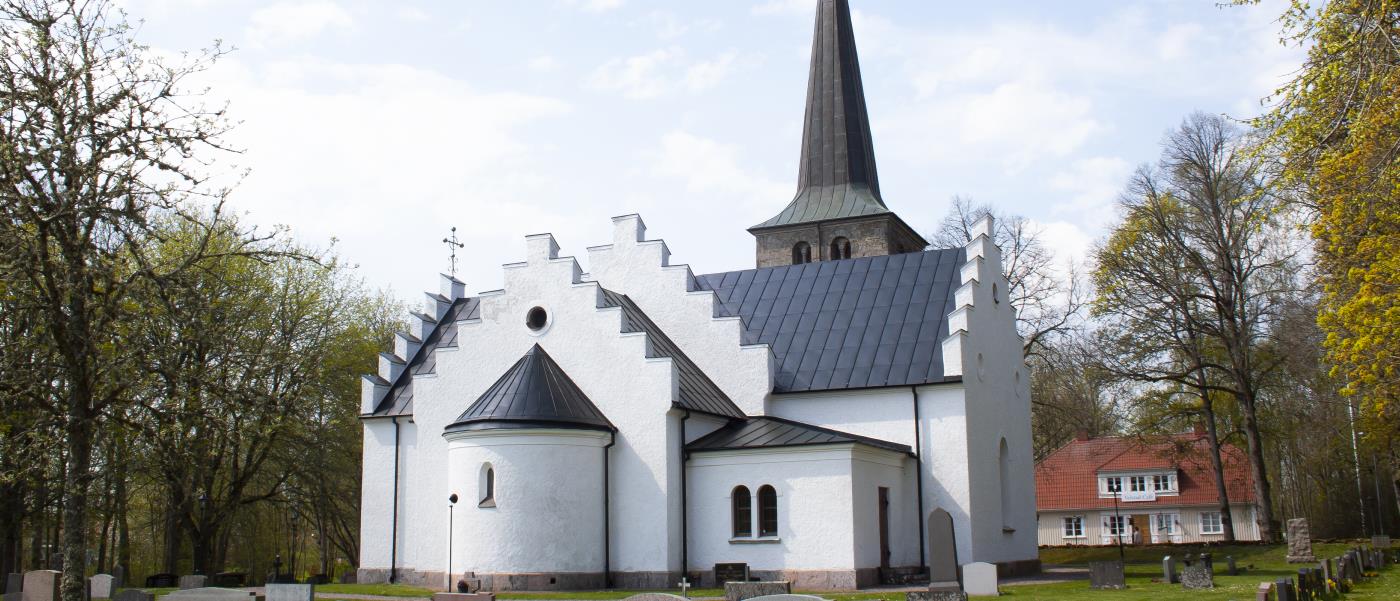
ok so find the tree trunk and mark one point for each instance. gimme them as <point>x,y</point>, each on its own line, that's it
<point>1217,466</point>
<point>1263,496</point>
<point>171,559</point>
<point>123,551</point>
<point>76,482</point>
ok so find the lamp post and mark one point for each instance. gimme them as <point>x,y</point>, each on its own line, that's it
<point>1118,521</point>
<point>451,505</point>
<point>203,523</point>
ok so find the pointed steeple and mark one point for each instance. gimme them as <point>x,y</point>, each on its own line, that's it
<point>836,176</point>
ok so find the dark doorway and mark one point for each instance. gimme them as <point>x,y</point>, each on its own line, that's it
<point>884,527</point>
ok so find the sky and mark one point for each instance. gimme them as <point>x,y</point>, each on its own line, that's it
<point>373,127</point>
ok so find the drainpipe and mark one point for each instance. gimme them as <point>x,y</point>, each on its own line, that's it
<point>919,476</point>
<point>607,512</point>
<point>394,535</point>
<point>685,529</point>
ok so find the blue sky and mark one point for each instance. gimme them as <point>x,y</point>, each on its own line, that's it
<point>382,124</point>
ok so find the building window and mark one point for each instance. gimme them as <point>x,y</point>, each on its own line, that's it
<point>767,511</point>
<point>1166,523</point>
<point>1112,484</point>
<point>486,485</point>
<point>741,503</point>
<point>1074,527</point>
<point>801,253</point>
<point>536,319</point>
<point>1137,483</point>
<point>840,248</point>
<point>1164,483</point>
<point>1115,525</point>
<point>1211,523</point>
<point>1004,478</point>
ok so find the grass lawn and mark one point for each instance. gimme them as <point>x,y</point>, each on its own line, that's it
<point>382,590</point>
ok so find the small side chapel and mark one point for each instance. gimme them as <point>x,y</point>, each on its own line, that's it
<point>854,410</point>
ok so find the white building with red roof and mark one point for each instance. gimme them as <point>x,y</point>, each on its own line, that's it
<point>1092,491</point>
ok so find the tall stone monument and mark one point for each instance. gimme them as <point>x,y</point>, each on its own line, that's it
<point>1299,542</point>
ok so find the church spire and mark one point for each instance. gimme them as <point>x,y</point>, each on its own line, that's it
<point>836,176</point>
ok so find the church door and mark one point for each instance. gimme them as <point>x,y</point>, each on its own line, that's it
<point>884,527</point>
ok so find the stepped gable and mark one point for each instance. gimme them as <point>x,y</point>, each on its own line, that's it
<point>697,391</point>
<point>856,323</point>
<point>533,393</point>
<point>775,432</point>
<point>397,400</point>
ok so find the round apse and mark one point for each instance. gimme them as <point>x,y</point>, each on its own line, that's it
<point>536,319</point>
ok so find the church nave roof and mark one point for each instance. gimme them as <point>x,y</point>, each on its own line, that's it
<point>775,432</point>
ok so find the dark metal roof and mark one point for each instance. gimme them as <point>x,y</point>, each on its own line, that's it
<point>773,432</point>
<point>399,399</point>
<point>854,323</point>
<point>533,393</point>
<point>697,391</point>
<point>836,175</point>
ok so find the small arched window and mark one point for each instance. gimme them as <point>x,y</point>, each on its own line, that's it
<point>767,511</point>
<point>487,486</point>
<point>741,503</point>
<point>840,248</point>
<point>1004,482</point>
<point>801,253</point>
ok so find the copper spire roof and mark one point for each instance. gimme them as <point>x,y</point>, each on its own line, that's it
<point>836,176</point>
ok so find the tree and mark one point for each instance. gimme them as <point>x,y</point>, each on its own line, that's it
<point>1336,126</point>
<point>97,139</point>
<point>1199,268</point>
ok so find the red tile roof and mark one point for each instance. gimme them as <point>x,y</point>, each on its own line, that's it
<point>1068,478</point>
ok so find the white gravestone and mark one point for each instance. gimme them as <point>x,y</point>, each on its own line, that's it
<point>980,579</point>
<point>100,586</point>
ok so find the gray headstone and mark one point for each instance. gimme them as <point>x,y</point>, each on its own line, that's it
<point>133,594</point>
<point>19,596</point>
<point>193,582</point>
<point>1328,573</point>
<point>41,585</point>
<point>980,579</point>
<point>1197,574</point>
<point>291,592</point>
<point>1106,575</point>
<point>100,586</point>
<point>1265,592</point>
<point>1285,591</point>
<point>739,591</point>
<point>14,583</point>
<point>1169,570</point>
<point>655,597</point>
<point>731,572</point>
<point>1299,541</point>
<point>1230,567</point>
<point>1380,541</point>
<point>212,594</point>
<point>935,596</point>
<point>118,578</point>
<point>943,552</point>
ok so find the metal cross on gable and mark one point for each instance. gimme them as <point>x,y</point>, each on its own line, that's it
<point>453,244</point>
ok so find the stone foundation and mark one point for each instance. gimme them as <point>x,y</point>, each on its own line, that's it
<point>807,580</point>
<point>1024,567</point>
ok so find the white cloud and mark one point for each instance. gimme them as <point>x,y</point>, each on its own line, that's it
<point>542,64</point>
<point>291,21</point>
<point>596,6</point>
<point>412,14</point>
<point>661,72</point>
<point>785,7</point>
<point>1090,188</point>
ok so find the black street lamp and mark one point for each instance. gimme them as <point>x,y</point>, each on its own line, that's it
<point>203,523</point>
<point>451,505</point>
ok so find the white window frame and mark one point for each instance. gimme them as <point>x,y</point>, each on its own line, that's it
<point>1078,526</point>
<point>1137,483</point>
<point>1106,485</point>
<point>1108,525</point>
<point>1169,479</point>
<point>1219,527</point>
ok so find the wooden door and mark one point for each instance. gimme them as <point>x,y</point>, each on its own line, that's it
<point>884,527</point>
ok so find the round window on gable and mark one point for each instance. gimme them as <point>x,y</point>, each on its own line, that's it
<point>536,319</point>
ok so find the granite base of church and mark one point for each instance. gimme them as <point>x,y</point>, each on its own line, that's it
<point>1024,567</point>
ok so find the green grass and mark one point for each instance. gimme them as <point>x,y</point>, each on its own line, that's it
<point>382,590</point>
<point>603,595</point>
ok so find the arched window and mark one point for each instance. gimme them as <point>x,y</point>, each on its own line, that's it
<point>801,253</point>
<point>486,485</point>
<point>767,511</point>
<point>1004,467</point>
<point>840,248</point>
<point>741,503</point>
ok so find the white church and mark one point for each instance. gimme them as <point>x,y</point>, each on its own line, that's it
<point>814,418</point>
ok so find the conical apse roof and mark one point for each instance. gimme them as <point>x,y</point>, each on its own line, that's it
<point>533,393</point>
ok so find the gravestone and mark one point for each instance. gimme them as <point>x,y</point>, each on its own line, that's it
<point>100,586</point>
<point>1328,575</point>
<point>1285,590</point>
<point>655,597</point>
<point>1197,573</point>
<point>14,583</point>
<point>739,591</point>
<point>118,578</point>
<point>41,585</point>
<point>943,552</point>
<point>1265,592</point>
<point>731,572</point>
<point>1299,541</point>
<point>1380,541</point>
<point>193,581</point>
<point>212,594</point>
<point>1169,570</point>
<point>162,581</point>
<point>939,595</point>
<point>134,594</point>
<point>464,596</point>
<point>1230,567</point>
<point>1106,575</point>
<point>980,578</point>
<point>788,598</point>
<point>291,592</point>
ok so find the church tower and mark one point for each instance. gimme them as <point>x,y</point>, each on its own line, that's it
<point>838,212</point>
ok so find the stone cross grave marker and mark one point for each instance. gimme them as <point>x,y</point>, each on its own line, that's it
<point>1299,541</point>
<point>1169,570</point>
<point>1265,592</point>
<point>685,588</point>
<point>980,578</point>
<point>134,594</point>
<point>100,586</point>
<point>943,552</point>
<point>41,585</point>
<point>1106,575</point>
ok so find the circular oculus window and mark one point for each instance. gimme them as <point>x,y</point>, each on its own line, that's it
<point>536,319</point>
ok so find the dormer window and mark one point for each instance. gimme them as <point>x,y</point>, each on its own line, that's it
<point>1112,484</point>
<point>1137,483</point>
